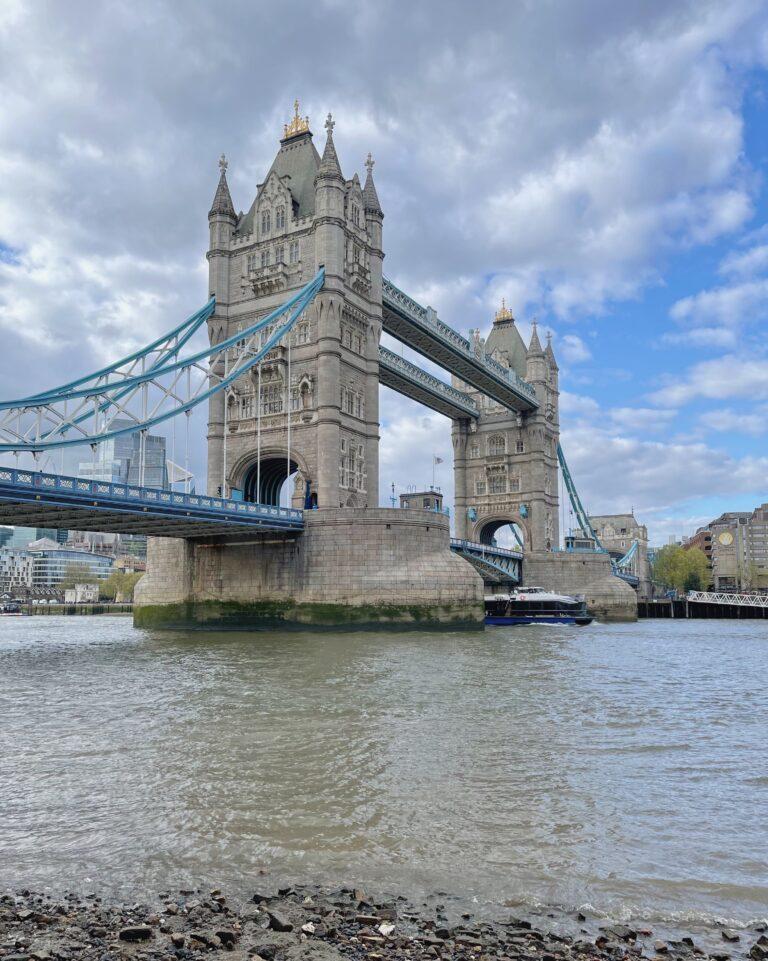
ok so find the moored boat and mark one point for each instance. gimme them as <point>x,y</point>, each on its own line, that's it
<point>534,605</point>
<point>11,610</point>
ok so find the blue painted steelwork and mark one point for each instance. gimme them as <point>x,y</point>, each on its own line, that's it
<point>55,501</point>
<point>626,560</point>
<point>421,329</point>
<point>51,407</point>
<point>496,564</point>
<point>631,579</point>
<point>578,509</point>
<point>617,567</point>
<point>167,346</point>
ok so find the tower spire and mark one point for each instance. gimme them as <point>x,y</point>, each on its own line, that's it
<point>329,165</point>
<point>222,200</point>
<point>548,352</point>
<point>370,197</point>
<point>535,345</point>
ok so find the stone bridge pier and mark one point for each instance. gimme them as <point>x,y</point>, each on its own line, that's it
<point>350,568</point>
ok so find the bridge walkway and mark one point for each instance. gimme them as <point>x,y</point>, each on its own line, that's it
<point>421,329</point>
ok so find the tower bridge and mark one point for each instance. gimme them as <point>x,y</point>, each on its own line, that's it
<point>297,304</point>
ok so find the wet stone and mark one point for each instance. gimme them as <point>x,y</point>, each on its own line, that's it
<point>278,922</point>
<point>139,932</point>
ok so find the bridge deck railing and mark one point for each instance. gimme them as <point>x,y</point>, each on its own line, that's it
<point>412,372</point>
<point>725,597</point>
<point>429,318</point>
<point>459,544</point>
<point>74,487</point>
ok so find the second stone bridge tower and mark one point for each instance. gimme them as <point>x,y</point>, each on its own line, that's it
<point>505,463</point>
<point>309,410</point>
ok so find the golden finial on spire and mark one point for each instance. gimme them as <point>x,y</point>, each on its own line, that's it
<point>297,125</point>
<point>504,313</point>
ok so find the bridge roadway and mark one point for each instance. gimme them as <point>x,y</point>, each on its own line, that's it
<point>421,329</point>
<point>32,499</point>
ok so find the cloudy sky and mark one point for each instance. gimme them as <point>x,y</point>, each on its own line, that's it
<point>600,164</point>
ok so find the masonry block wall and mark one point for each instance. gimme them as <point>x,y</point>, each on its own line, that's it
<point>608,597</point>
<point>350,567</point>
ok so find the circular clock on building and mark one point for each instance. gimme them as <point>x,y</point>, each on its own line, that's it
<point>726,538</point>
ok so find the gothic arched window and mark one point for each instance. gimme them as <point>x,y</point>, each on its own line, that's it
<point>280,218</point>
<point>497,444</point>
<point>266,222</point>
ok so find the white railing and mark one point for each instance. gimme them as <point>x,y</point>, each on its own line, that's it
<point>723,597</point>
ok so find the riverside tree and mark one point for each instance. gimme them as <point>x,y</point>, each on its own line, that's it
<point>119,586</point>
<point>684,570</point>
<point>77,573</point>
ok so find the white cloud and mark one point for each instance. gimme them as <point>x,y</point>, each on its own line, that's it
<point>573,349</point>
<point>642,419</point>
<point>753,422</point>
<point>578,405</point>
<point>724,309</point>
<point>746,263</point>
<point>613,472</point>
<point>718,379</point>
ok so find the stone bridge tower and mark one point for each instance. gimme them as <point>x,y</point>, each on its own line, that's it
<point>305,215</point>
<point>505,464</point>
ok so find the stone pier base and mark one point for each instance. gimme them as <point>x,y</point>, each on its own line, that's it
<point>608,597</point>
<point>350,568</point>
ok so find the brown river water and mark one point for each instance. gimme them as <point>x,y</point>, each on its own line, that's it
<point>620,769</point>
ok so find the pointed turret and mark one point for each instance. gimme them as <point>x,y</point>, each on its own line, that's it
<point>329,164</point>
<point>222,205</point>
<point>505,342</point>
<point>330,191</point>
<point>549,353</point>
<point>535,345</point>
<point>370,197</point>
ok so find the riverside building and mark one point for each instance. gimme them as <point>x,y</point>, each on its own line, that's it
<point>739,542</point>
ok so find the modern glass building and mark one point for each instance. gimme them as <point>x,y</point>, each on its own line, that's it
<point>50,566</point>
<point>22,537</point>
<point>119,460</point>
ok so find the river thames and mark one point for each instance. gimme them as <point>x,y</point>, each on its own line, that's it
<point>616,768</point>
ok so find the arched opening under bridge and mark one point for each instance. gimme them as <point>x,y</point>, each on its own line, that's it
<point>271,484</point>
<point>505,533</point>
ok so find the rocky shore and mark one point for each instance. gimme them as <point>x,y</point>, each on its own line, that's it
<point>314,924</point>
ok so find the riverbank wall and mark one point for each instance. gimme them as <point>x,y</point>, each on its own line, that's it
<point>683,608</point>
<point>76,609</point>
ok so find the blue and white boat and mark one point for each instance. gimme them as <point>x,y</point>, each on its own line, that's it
<point>534,605</point>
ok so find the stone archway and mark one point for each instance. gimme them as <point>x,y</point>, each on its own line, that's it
<point>262,483</point>
<point>487,530</point>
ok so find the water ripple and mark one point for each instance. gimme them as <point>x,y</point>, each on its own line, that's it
<point>618,766</point>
